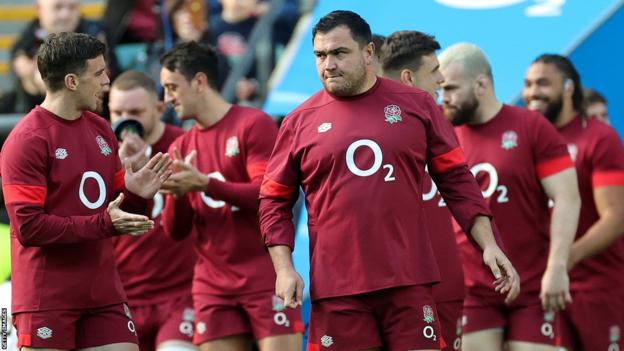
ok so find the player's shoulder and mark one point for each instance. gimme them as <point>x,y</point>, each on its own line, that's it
<point>315,102</point>
<point>249,113</point>
<point>250,119</point>
<point>32,125</point>
<point>522,113</point>
<point>414,100</point>
<point>96,119</point>
<point>522,116</point>
<point>598,129</point>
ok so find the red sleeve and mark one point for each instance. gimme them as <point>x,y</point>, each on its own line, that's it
<point>550,153</point>
<point>448,168</point>
<point>177,217</point>
<point>279,191</point>
<point>24,183</point>
<point>177,214</point>
<point>607,159</point>
<point>258,140</point>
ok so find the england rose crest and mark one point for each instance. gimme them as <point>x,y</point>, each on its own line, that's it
<point>614,333</point>
<point>231,147</point>
<point>510,140</point>
<point>106,150</point>
<point>428,315</point>
<point>392,114</point>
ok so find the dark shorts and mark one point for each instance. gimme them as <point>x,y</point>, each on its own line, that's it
<point>402,318</point>
<point>221,316</point>
<point>450,313</point>
<point>75,329</point>
<point>598,320</point>
<point>527,323</point>
<point>171,320</point>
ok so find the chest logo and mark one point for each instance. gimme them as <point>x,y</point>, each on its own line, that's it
<point>231,147</point>
<point>324,127</point>
<point>392,114</point>
<point>428,315</point>
<point>60,153</point>
<point>509,140</point>
<point>327,341</point>
<point>573,151</point>
<point>614,334</point>
<point>104,148</point>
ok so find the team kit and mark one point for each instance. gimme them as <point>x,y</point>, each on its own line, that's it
<point>439,218</point>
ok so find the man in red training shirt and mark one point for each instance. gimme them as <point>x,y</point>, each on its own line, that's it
<point>359,148</point>
<point>60,171</point>
<point>156,271</point>
<point>552,86</point>
<point>410,57</point>
<point>520,162</point>
<point>215,192</point>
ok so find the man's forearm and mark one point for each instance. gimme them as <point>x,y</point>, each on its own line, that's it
<point>481,232</point>
<point>281,257</point>
<point>597,238</point>
<point>563,224</point>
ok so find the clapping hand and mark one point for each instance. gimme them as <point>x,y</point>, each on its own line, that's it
<point>127,223</point>
<point>146,181</point>
<point>186,177</point>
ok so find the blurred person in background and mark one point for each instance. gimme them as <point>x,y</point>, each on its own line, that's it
<point>229,32</point>
<point>156,272</point>
<point>53,16</point>
<point>28,88</point>
<point>409,57</point>
<point>552,86</point>
<point>378,41</point>
<point>189,22</point>
<point>520,161</point>
<point>132,21</point>
<point>595,105</point>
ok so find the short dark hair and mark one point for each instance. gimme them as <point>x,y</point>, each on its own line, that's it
<point>65,53</point>
<point>378,41</point>
<point>405,49</point>
<point>360,30</point>
<point>592,96</point>
<point>190,58</point>
<point>134,79</point>
<point>567,69</point>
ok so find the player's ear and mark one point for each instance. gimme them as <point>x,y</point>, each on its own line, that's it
<point>71,81</point>
<point>406,77</point>
<point>160,107</point>
<point>369,52</point>
<point>568,87</point>
<point>480,84</point>
<point>201,81</point>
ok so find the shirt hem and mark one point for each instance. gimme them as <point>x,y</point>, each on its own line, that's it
<point>370,290</point>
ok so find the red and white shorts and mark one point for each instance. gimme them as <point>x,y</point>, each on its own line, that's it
<point>401,318</point>
<point>75,329</point>
<point>221,316</point>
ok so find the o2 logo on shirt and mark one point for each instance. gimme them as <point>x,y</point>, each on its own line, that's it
<point>488,192</point>
<point>101,186</point>
<point>159,203</point>
<point>374,147</point>
<point>210,202</point>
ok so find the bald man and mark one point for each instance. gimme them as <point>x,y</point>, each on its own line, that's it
<point>520,161</point>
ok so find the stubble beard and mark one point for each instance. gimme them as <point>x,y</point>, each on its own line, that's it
<point>464,113</point>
